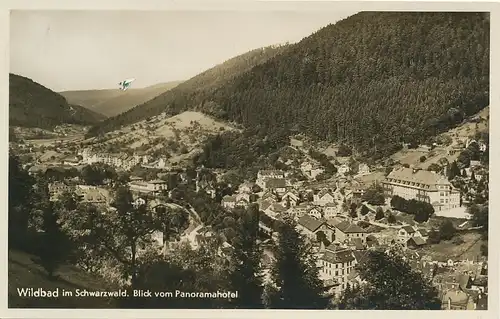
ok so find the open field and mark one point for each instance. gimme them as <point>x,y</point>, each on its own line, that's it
<point>187,131</point>
<point>469,249</point>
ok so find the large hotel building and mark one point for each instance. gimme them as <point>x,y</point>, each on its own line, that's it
<point>424,186</point>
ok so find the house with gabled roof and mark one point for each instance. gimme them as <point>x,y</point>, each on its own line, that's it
<point>275,209</point>
<point>270,197</point>
<point>139,201</point>
<point>323,197</point>
<point>422,232</point>
<point>244,196</point>
<point>346,230</point>
<point>291,197</point>
<point>315,212</point>
<point>276,185</point>
<point>363,169</point>
<point>415,242</point>
<point>246,187</point>
<point>343,169</point>
<point>241,202</point>
<point>229,201</point>
<point>310,226</point>
<point>299,210</point>
<point>405,233</point>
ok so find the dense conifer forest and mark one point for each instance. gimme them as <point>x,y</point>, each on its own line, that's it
<point>33,105</point>
<point>372,81</point>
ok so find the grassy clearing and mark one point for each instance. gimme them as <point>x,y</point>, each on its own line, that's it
<point>468,249</point>
<point>24,273</point>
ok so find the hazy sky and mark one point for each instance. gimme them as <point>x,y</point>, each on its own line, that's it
<point>77,50</point>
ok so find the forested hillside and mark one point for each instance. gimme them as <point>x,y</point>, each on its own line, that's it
<point>33,105</point>
<point>193,92</point>
<point>372,81</point>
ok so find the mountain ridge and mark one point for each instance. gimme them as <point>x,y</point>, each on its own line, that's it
<point>33,105</point>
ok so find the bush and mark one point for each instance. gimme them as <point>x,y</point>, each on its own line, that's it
<point>447,231</point>
<point>364,210</point>
<point>391,219</point>
<point>434,237</point>
<point>422,210</point>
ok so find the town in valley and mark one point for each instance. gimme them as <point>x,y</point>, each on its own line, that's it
<point>191,200</point>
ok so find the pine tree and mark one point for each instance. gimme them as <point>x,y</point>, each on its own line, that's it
<point>453,171</point>
<point>20,201</point>
<point>472,176</point>
<point>54,245</point>
<point>246,276</point>
<point>295,273</point>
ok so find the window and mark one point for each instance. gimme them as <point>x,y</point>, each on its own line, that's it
<point>441,194</point>
<point>336,273</point>
<point>441,201</point>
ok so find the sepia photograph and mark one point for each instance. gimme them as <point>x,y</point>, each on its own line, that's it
<point>265,159</point>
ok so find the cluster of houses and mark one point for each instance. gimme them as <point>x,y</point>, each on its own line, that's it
<point>341,240</point>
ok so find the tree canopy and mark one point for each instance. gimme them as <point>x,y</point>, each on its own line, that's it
<point>390,284</point>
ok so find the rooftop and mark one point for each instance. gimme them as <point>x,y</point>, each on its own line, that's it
<point>276,183</point>
<point>309,222</point>
<point>418,176</point>
<point>339,255</point>
<point>347,227</point>
<point>408,229</point>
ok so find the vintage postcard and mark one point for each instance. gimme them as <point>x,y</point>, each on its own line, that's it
<point>332,157</point>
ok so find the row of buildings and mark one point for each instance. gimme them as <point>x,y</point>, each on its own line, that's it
<point>122,161</point>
